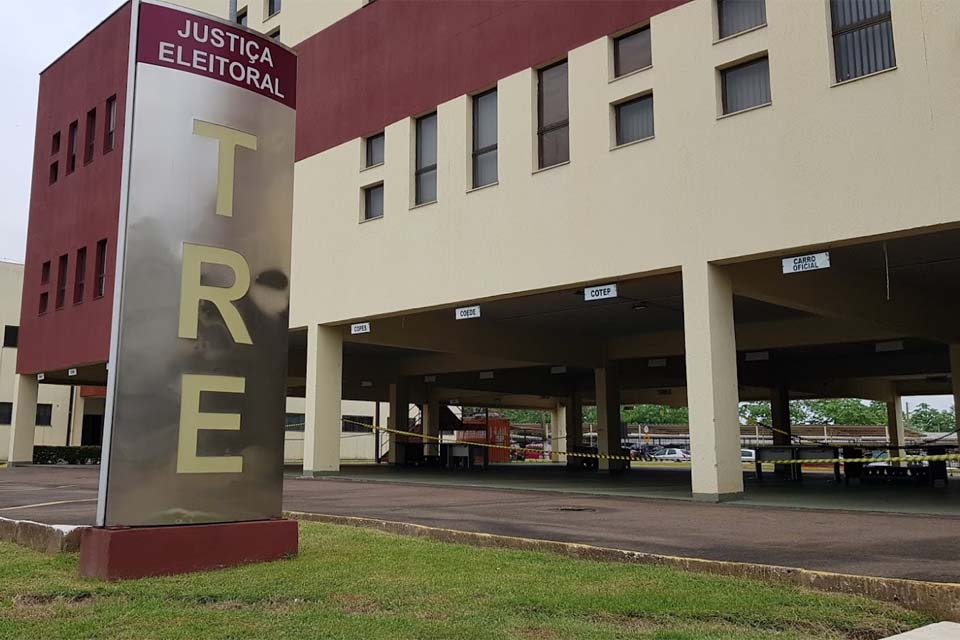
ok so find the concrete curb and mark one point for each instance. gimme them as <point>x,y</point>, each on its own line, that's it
<point>940,599</point>
<point>45,538</point>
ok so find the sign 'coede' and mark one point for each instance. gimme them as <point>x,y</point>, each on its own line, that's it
<point>197,384</point>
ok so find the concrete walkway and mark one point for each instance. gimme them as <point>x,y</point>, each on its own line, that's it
<point>939,631</point>
<point>890,545</point>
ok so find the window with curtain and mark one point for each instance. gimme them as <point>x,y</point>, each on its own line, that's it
<point>746,85</point>
<point>373,202</point>
<point>739,15</point>
<point>485,138</point>
<point>631,51</point>
<point>553,111</point>
<point>425,177</point>
<point>634,119</point>
<point>862,37</point>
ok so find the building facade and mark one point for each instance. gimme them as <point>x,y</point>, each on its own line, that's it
<point>681,202</point>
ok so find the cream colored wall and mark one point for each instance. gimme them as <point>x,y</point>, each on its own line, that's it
<point>705,188</point>
<point>11,285</point>
<point>297,19</point>
<point>353,446</point>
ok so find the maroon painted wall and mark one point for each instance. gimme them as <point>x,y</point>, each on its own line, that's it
<point>79,209</point>
<point>398,58</point>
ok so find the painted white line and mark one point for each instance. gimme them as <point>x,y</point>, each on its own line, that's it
<point>46,504</point>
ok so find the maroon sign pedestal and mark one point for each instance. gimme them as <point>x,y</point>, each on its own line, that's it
<point>140,552</point>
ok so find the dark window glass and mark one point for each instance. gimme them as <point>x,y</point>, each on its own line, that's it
<point>72,148</point>
<point>110,130</point>
<point>739,15</point>
<point>350,424</point>
<point>44,303</point>
<point>746,85</point>
<point>862,37</point>
<point>55,143</point>
<point>373,202</point>
<point>45,273</point>
<point>54,172</point>
<point>44,415</point>
<point>632,52</point>
<point>635,120</point>
<point>485,138</point>
<point>11,335</point>
<point>275,34</point>
<point>273,6</point>
<point>80,275</point>
<point>242,17</point>
<point>375,148</point>
<point>295,422</point>
<point>91,136</point>
<point>426,171</point>
<point>6,412</point>
<point>553,131</point>
<point>61,281</point>
<point>100,278</point>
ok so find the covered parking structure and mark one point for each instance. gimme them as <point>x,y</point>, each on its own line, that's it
<point>878,324</point>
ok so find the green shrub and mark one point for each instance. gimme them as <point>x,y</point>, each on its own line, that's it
<point>66,455</point>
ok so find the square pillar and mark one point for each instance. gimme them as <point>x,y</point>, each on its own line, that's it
<point>607,381</point>
<point>895,426</point>
<point>780,421</point>
<point>574,425</point>
<point>322,416</point>
<point>712,394</point>
<point>24,421</point>
<point>431,426</point>
<point>399,417</point>
<point>558,433</point>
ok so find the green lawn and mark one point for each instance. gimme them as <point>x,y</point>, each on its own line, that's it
<point>355,583</point>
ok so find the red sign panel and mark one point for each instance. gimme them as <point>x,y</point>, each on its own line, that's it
<point>185,41</point>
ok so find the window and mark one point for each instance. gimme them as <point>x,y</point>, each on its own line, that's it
<point>80,275</point>
<point>350,424</point>
<point>273,7</point>
<point>736,16</point>
<point>632,52</point>
<point>634,119</point>
<point>375,148</point>
<point>62,281</point>
<point>242,17</point>
<point>55,144</point>
<point>862,37</point>
<point>72,148</point>
<point>373,202</point>
<point>44,303</point>
<point>6,412</point>
<point>485,138</point>
<point>45,273</point>
<point>11,335</point>
<point>100,279</point>
<point>426,171</point>
<point>553,132</point>
<point>91,136</point>
<point>746,85</point>
<point>44,415</point>
<point>110,130</point>
<point>54,172</point>
<point>295,422</point>
<point>275,34</point>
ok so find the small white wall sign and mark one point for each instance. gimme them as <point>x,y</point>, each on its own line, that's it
<point>600,292</point>
<point>468,313</point>
<point>360,327</point>
<point>810,262</point>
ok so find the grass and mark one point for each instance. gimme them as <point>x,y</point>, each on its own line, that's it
<point>355,583</point>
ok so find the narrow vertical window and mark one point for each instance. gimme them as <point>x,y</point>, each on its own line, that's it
<point>110,130</point>
<point>634,119</point>
<point>273,7</point>
<point>242,17</point>
<point>862,37</point>
<point>44,303</point>
<point>54,171</point>
<point>80,275</point>
<point>275,34</point>
<point>44,415</point>
<point>426,166</point>
<point>553,111</point>
<point>45,273</point>
<point>55,144</point>
<point>100,278</point>
<point>373,202</point>
<point>72,147</point>
<point>90,136</point>
<point>736,16</point>
<point>746,85</point>
<point>632,52</point>
<point>485,138</point>
<point>11,336</point>
<point>61,281</point>
<point>375,149</point>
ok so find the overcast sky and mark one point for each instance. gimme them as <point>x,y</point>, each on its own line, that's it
<point>23,55</point>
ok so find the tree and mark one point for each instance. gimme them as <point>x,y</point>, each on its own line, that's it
<point>927,418</point>
<point>846,411</point>
<point>654,414</point>
<point>524,416</point>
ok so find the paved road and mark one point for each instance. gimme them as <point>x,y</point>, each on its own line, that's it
<point>903,546</point>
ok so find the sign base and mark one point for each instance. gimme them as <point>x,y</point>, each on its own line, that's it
<point>139,552</point>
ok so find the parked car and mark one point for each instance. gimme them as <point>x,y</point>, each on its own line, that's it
<point>748,455</point>
<point>672,455</point>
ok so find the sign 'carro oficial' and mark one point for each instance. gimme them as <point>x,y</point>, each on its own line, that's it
<point>197,384</point>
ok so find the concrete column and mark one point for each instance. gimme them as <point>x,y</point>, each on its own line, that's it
<point>399,415</point>
<point>895,425</point>
<point>574,426</point>
<point>780,421</point>
<point>24,420</point>
<point>955,378</point>
<point>323,418</point>
<point>76,418</point>
<point>431,426</point>
<point>558,433</point>
<point>607,380</point>
<point>712,394</point>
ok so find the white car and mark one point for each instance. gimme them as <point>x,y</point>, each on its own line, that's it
<point>748,455</point>
<point>672,455</point>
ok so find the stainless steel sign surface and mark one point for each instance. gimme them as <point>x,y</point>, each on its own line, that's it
<point>198,365</point>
